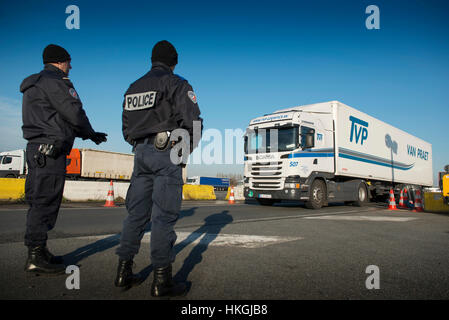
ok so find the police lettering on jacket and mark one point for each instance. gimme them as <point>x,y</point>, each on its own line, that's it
<point>140,101</point>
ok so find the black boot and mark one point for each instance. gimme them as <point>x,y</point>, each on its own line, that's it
<point>125,277</point>
<point>38,262</point>
<point>53,259</point>
<point>163,284</point>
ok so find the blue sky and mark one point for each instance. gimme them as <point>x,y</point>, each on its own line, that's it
<point>243,58</point>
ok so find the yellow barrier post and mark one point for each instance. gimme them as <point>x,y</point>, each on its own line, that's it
<point>198,192</point>
<point>11,188</point>
<point>433,202</point>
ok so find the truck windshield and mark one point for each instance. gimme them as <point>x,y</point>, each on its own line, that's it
<point>272,140</point>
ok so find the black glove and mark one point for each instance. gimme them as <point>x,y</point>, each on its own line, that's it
<point>99,137</point>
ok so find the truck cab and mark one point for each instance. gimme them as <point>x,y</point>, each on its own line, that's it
<point>12,164</point>
<point>283,150</point>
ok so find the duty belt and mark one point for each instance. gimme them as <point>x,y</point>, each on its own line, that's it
<point>145,140</point>
<point>161,140</point>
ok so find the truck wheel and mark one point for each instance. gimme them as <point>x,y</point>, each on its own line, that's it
<point>362,196</point>
<point>317,195</point>
<point>266,202</point>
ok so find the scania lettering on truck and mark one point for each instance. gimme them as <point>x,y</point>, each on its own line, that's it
<point>330,152</point>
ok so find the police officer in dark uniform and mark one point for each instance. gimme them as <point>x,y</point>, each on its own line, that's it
<point>154,106</point>
<point>53,116</point>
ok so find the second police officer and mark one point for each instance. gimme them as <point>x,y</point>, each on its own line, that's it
<point>53,116</point>
<point>154,106</point>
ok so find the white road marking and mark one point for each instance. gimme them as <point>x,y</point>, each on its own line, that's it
<point>363,218</point>
<point>302,216</point>
<point>217,240</point>
<point>234,240</point>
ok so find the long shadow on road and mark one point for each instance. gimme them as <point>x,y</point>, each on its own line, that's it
<point>74,257</point>
<point>208,232</point>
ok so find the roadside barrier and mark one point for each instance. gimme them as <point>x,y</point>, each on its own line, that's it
<point>198,192</point>
<point>433,202</point>
<point>12,189</point>
<point>93,190</point>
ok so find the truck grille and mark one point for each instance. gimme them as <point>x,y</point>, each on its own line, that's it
<point>266,175</point>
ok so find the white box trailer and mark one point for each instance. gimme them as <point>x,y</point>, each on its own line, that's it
<point>330,152</point>
<point>99,164</point>
<point>106,164</point>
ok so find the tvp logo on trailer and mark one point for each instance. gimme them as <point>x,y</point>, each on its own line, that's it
<point>359,130</point>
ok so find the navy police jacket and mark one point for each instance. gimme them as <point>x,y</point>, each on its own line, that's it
<point>52,111</point>
<point>159,101</point>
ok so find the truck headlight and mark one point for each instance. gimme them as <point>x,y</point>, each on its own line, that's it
<point>292,182</point>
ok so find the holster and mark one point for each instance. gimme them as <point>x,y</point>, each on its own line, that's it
<point>53,150</point>
<point>161,141</point>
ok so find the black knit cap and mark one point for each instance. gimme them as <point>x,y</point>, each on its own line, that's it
<point>164,52</point>
<point>55,53</point>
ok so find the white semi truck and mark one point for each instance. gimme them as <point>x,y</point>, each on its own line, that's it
<point>13,164</point>
<point>330,152</point>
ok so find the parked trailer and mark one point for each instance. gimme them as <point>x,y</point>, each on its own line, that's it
<point>81,164</point>
<point>330,152</point>
<point>98,164</point>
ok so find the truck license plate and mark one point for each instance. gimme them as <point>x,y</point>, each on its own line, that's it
<point>265,196</point>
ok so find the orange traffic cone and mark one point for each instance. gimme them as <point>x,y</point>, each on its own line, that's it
<point>418,202</point>
<point>406,202</point>
<point>392,202</point>
<point>401,199</point>
<point>231,196</point>
<point>110,197</point>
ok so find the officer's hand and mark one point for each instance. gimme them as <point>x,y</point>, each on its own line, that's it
<point>99,137</point>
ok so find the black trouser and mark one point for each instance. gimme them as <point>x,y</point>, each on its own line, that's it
<point>44,187</point>
<point>155,194</point>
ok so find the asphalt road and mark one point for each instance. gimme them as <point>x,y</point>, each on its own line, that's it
<point>245,251</point>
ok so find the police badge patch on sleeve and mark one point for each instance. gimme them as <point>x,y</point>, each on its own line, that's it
<point>73,93</point>
<point>192,96</point>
